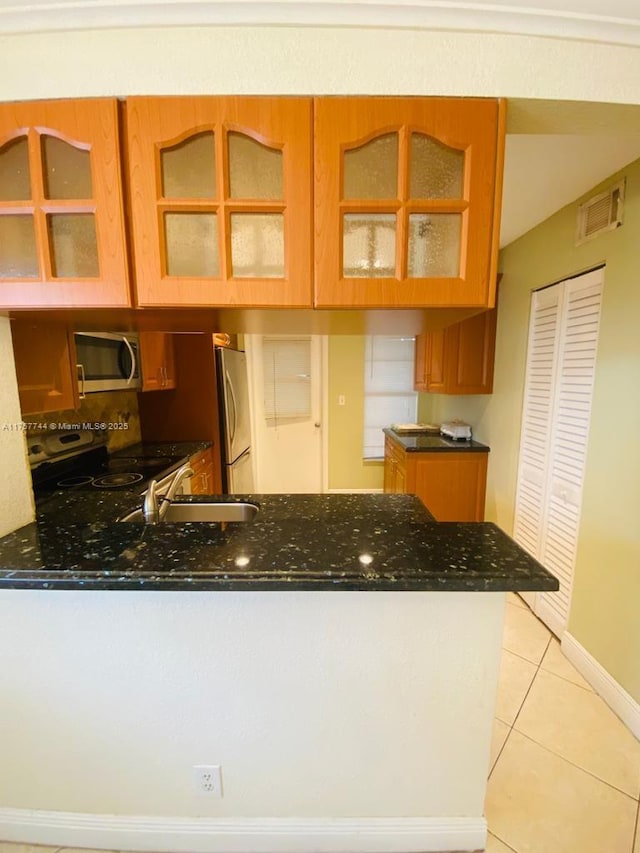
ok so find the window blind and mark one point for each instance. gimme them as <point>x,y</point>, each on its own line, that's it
<point>388,388</point>
<point>287,377</point>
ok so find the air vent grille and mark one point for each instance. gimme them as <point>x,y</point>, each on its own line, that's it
<point>600,214</point>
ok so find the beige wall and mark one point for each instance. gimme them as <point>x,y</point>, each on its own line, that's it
<point>347,469</point>
<point>316,705</point>
<point>604,614</point>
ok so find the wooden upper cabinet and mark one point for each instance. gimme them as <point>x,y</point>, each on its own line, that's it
<point>157,361</point>
<point>471,347</point>
<point>221,191</point>
<point>458,359</point>
<point>407,197</point>
<point>62,238</point>
<point>45,360</point>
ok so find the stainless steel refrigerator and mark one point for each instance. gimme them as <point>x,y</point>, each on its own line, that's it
<point>235,423</point>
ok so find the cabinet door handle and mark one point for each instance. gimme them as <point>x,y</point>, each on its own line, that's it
<point>80,369</point>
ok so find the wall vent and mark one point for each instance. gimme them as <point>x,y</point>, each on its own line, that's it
<point>601,213</point>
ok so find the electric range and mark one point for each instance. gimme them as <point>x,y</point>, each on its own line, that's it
<point>78,459</point>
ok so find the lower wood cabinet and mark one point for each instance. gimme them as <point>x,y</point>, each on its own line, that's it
<point>45,362</point>
<point>202,482</point>
<point>395,475</point>
<point>452,484</point>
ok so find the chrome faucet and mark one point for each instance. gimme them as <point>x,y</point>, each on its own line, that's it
<point>150,508</point>
<point>153,510</point>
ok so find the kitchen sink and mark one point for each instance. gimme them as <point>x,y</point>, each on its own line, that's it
<point>211,512</point>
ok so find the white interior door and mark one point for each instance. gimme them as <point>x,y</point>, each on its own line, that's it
<point>285,374</point>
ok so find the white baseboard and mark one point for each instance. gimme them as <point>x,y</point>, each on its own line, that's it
<point>616,697</point>
<point>354,491</point>
<point>243,835</point>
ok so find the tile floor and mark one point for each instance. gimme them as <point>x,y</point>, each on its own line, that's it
<point>565,772</point>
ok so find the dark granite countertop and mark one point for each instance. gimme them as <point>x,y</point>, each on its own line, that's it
<point>296,542</point>
<point>416,442</point>
<point>153,449</point>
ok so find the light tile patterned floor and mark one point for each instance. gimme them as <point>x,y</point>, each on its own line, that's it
<point>565,772</point>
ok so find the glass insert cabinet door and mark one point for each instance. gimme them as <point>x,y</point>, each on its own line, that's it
<point>62,240</point>
<point>407,191</point>
<point>221,191</point>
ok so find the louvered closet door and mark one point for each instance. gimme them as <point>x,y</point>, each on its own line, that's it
<point>536,421</point>
<point>563,339</point>
<point>580,321</point>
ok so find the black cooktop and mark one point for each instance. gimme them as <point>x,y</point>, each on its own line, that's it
<point>95,469</point>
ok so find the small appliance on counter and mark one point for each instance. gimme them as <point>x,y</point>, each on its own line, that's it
<point>427,429</point>
<point>457,430</point>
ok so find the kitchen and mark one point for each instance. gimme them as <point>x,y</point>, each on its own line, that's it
<point>276,76</point>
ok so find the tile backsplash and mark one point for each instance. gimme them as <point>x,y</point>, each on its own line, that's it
<point>117,409</point>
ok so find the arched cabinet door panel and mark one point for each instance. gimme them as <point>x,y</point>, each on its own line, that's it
<point>407,195</point>
<point>62,239</point>
<point>221,194</point>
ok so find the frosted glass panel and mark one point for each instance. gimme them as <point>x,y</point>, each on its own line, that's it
<point>74,249</point>
<point>371,171</point>
<point>18,257</point>
<point>67,169</point>
<point>14,170</point>
<point>434,245</point>
<point>436,171</point>
<point>369,245</point>
<point>257,245</point>
<point>255,171</point>
<point>189,168</point>
<point>192,244</point>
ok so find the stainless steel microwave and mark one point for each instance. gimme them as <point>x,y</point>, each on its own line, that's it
<point>107,361</point>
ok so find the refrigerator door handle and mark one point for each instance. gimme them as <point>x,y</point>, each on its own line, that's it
<point>233,400</point>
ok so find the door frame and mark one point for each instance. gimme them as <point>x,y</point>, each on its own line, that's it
<point>250,349</point>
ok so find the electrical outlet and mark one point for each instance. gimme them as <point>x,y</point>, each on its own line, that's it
<point>207,779</point>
